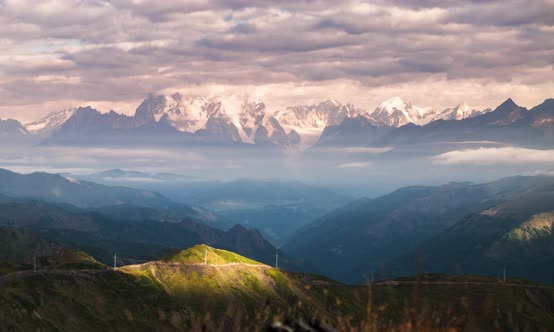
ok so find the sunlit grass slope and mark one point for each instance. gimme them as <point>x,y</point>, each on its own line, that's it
<point>179,293</point>
<point>197,255</point>
<point>234,286</point>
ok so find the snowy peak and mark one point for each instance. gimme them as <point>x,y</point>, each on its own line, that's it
<point>220,128</point>
<point>250,119</point>
<point>460,112</point>
<point>181,119</point>
<point>51,122</point>
<point>249,122</point>
<point>186,115</point>
<point>309,121</point>
<point>258,126</point>
<point>396,112</point>
<point>392,105</point>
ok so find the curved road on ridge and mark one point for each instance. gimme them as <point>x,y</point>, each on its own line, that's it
<point>13,276</point>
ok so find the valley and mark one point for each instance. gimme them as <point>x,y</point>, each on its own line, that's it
<point>254,165</point>
<point>400,259</point>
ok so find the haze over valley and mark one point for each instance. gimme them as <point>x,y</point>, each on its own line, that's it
<point>313,165</point>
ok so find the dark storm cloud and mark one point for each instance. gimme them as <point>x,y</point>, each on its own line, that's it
<point>122,50</point>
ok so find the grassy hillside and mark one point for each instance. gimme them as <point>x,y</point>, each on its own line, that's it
<point>199,254</point>
<point>236,287</point>
<point>231,293</point>
<point>67,259</point>
<point>85,301</point>
<point>234,294</point>
<point>468,304</point>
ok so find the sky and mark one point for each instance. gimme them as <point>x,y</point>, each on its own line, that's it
<point>111,54</point>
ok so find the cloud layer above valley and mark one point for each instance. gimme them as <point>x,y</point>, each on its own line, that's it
<point>110,54</point>
<point>495,156</point>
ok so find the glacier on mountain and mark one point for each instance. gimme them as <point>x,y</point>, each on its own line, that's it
<point>217,121</point>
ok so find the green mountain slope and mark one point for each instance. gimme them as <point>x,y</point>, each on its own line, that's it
<point>21,250</point>
<point>349,243</point>
<point>201,254</point>
<point>137,239</point>
<point>179,293</point>
<point>515,235</point>
<point>56,188</point>
<point>110,200</point>
<point>234,293</point>
<point>231,286</point>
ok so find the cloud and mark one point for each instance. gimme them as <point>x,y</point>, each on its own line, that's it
<point>71,157</point>
<point>243,28</point>
<point>358,150</point>
<point>62,53</point>
<point>495,13</point>
<point>544,172</point>
<point>354,165</point>
<point>493,156</point>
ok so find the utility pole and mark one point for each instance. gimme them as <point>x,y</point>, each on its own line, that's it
<point>206,257</point>
<point>504,275</point>
<point>35,264</point>
<point>115,261</point>
<point>277,259</point>
<point>372,276</point>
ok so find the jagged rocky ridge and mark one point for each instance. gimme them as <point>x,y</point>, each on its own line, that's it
<point>509,123</point>
<point>176,119</point>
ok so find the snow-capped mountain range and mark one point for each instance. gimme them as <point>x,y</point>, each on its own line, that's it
<point>213,120</point>
<point>460,112</point>
<point>251,123</point>
<point>396,112</point>
<point>309,121</point>
<point>51,122</point>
